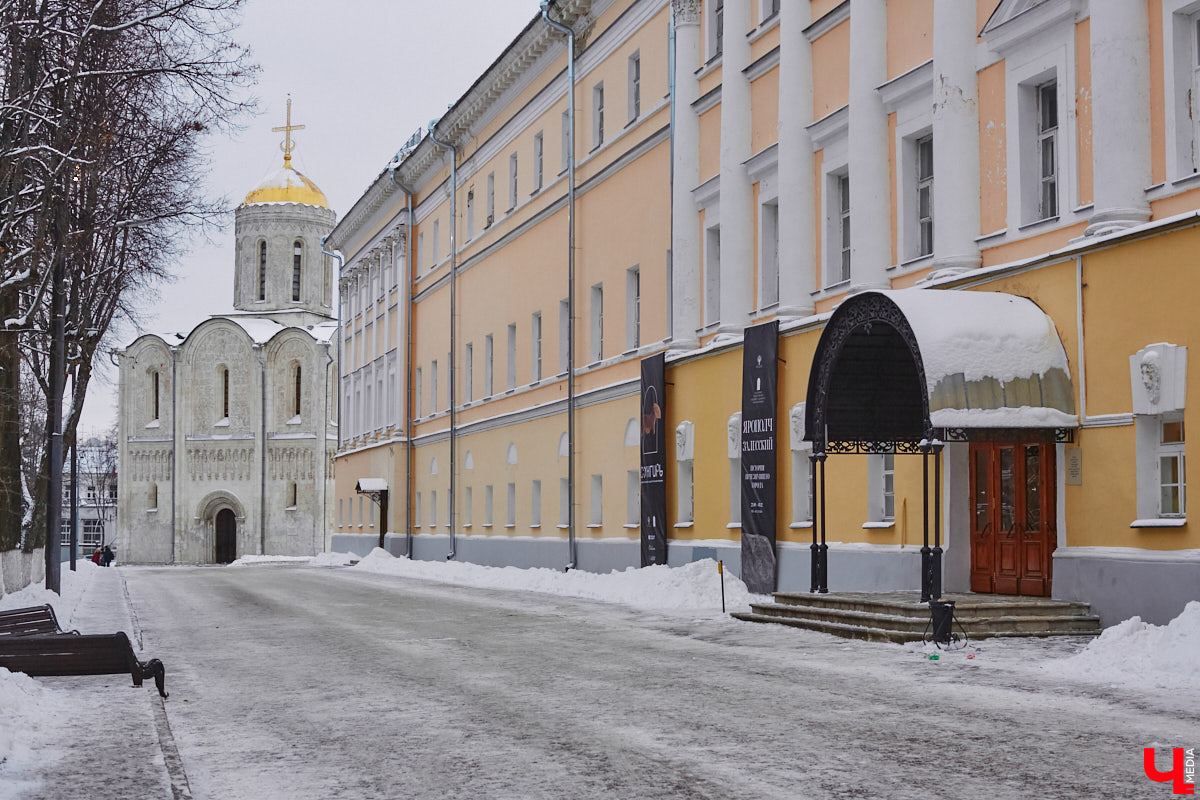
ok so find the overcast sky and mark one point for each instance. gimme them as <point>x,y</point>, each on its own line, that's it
<point>363,76</point>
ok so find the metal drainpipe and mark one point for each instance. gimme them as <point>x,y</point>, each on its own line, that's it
<point>174,449</point>
<point>324,439</point>
<point>408,309</point>
<point>337,387</point>
<point>570,34</point>
<point>262,479</point>
<point>453,311</point>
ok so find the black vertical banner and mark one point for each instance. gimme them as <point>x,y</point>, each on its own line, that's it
<point>760,376</point>
<point>654,461</point>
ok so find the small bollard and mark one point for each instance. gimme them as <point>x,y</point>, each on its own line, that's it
<point>721,572</point>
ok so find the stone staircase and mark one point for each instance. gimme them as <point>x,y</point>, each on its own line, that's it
<point>900,617</point>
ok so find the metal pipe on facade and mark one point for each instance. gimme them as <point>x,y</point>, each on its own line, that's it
<point>408,326</point>
<point>337,381</point>
<point>570,34</point>
<point>453,312</point>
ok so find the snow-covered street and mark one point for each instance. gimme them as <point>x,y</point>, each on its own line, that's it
<point>298,681</point>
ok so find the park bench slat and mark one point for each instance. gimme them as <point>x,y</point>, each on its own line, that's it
<point>28,621</point>
<point>85,654</point>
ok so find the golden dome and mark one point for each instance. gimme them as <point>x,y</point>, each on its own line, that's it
<point>287,186</point>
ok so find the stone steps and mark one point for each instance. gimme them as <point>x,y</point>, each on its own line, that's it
<point>897,617</point>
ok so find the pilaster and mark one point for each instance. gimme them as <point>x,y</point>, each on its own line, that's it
<point>685,227</point>
<point>797,200</point>
<point>870,188</point>
<point>737,211</point>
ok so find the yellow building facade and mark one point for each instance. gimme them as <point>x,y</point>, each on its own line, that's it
<point>971,222</point>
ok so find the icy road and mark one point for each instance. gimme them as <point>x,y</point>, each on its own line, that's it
<point>298,682</point>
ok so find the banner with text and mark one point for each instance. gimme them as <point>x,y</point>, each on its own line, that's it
<point>760,374</point>
<point>654,461</point>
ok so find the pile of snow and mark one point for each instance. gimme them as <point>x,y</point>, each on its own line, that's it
<point>246,561</point>
<point>693,587</point>
<point>74,584</point>
<point>334,560</point>
<point>1140,655</point>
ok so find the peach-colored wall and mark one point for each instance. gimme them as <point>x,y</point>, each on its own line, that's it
<point>909,35</point>
<point>1083,108</point>
<point>710,143</point>
<point>983,11</point>
<point>993,177</point>
<point>764,103</point>
<point>822,7</point>
<point>831,70</point>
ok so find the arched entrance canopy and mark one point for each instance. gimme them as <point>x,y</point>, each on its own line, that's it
<point>895,367</point>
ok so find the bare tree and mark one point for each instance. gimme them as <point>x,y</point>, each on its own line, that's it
<point>104,108</point>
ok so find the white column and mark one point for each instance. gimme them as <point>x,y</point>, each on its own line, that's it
<point>737,199</point>
<point>1120,114</point>
<point>955,137</point>
<point>685,222</point>
<point>797,201</point>
<point>870,189</point>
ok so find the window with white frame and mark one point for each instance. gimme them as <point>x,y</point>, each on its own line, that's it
<point>924,191</point>
<point>470,213</point>
<point>469,371</point>
<point>684,502</point>
<point>510,518</point>
<point>712,276</point>
<point>597,311</point>
<point>418,519</point>
<point>535,504</point>
<point>769,9</point>
<point>564,350</point>
<point>535,339</point>
<point>596,516</point>
<point>487,365</point>
<point>92,534</point>
<point>1047,149</point>
<point>564,503</point>
<point>633,497</point>
<point>537,161</point>
<point>633,308</point>
<point>1172,477</point>
<point>491,200</point>
<point>436,239</point>
<point>1181,56</point>
<point>488,497</point>
<point>433,509</point>
<point>433,387</point>
<point>418,387</point>
<point>802,487</point>
<point>511,382</point>
<point>715,23</point>
<point>340,507</point>
<point>768,266</point>
<point>512,181</point>
<point>635,86</point>
<point>881,488</point>
<point>597,115</point>
<point>467,506</point>
<point>841,248</point>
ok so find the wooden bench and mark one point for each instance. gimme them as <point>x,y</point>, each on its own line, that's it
<point>84,654</point>
<point>29,621</point>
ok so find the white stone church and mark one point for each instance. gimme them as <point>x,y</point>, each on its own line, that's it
<point>227,432</point>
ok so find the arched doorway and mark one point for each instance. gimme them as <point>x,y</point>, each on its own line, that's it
<point>226,536</point>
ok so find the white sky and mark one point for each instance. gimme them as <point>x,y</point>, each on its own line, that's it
<point>363,76</point>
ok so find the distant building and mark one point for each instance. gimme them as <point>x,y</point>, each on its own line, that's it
<point>226,432</point>
<point>97,499</point>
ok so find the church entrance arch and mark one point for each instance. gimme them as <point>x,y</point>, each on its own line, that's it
<point>226,536</point>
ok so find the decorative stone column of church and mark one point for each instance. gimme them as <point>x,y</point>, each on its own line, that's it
<point>1120,115</point>
<point>737,197</point>
<point>685,227</point>
<point>955,137</point>
<point>797,201</point>
<point>870,189</point>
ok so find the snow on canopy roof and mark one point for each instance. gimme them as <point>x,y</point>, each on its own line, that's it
<point>990,359</point>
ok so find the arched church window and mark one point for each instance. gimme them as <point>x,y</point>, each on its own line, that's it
<point>154,394</point>
<point>296,392</point>
<point>225,392</point>
<point>297,258</point>
<point>262,270</point>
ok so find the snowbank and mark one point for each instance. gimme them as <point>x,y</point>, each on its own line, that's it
<point>74,584</point>
<point>693,587</point>
<point>334,560</point>
<point>246,561</point>
<point>1140,655</point>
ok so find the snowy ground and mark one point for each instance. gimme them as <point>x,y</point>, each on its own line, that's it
<point>418,679</point>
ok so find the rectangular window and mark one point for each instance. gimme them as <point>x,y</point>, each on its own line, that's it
<point>436,239</point>
<point>487,504</point>
<point>635,86</point>
<point>802,486</point>
<point>597,115</point>
<point>716,29</point>
<point>768,293</point>
<point>1172,478</point>
<point>469,372</point>
<point>420,252</point>
<point>924,207</point>
<point>154,394</point>
<point>512,181</point>
<point>712,276</point>
<point>535,505</point>
<point>340,501</point>
<point>633,308</point>
<point>92,534</point>
<point>433,388</point>
<point>491,200</point>
<point>417,518</point>
<point>470,213</point>
<point>417,389</point>
<point>566,140</point>
<point>770,8</point>
<point>511,382</point>
<point>433,509</point>
<point>564,502</point>
<point>684,504</point>
<point>843,199</point>
<point>597,510</point>
<point>564,322</point>
<point>633,498</point>
<point>537,162</point>
<point>889,486</point>
<point>467,508</point>
<point>598,322</point>
<point>1047,148</point>
<point>510,518</point>
<point>487,365</point>
<point>535,335</point>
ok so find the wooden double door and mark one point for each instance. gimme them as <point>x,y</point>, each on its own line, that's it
<point>1013,525</point>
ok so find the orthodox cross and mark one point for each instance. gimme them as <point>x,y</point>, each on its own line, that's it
<point>288,145</point>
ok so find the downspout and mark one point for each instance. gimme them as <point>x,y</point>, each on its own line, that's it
<point>262,473</point>
<point>570,34</point>
<point>453,312</point>
<point>408,453</point>
<point>337,386</point>
<point>330,370</point>
<point>1079,339</point>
